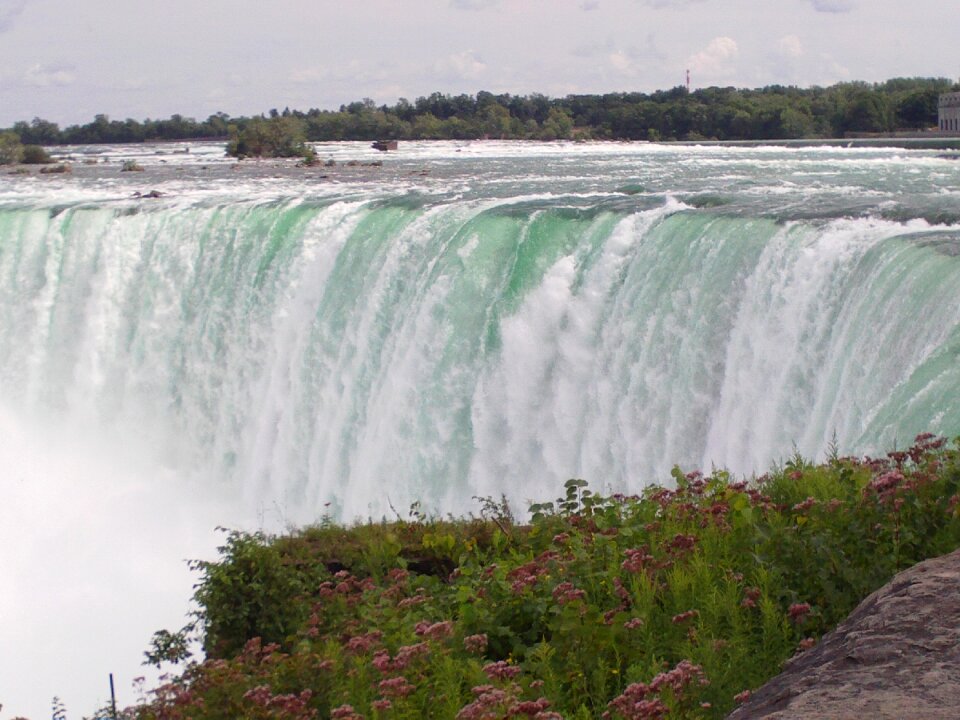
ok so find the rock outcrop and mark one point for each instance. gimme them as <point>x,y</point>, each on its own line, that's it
<point>896,656</point>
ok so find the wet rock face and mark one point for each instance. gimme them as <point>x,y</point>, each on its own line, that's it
<point>896,656</point>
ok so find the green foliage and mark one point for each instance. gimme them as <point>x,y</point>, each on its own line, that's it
<point>726,113</point>
<point>277,137</point>
<point>169,647</point>
<point>35,155</point>
<point>676,600</point>
<point>11,151</point>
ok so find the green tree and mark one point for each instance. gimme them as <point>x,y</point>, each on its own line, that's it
<point>557,126</point>
<point>11,151</point>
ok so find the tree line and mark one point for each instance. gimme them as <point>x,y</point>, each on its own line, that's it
<point>721,113</point>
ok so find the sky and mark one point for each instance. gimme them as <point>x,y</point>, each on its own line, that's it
<point>67,60</point>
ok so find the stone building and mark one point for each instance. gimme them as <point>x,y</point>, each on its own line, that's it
<point>948,112</point>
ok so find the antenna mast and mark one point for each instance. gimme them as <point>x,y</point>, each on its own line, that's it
<point>688,81</point>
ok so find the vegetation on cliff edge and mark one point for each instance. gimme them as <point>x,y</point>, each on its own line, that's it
<point>674,603</point>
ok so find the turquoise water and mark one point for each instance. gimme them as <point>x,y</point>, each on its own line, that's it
<point>510,316</point>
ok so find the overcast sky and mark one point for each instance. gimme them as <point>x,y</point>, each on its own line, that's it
<point>66,60</point>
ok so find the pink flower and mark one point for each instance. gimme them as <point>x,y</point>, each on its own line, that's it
<point>500,670</point>
<point>476,644</point>
<point>684,616</point>
<point>741,698</point>
<point>435,631</point>
<point>345,712</point>
<point>395,687</point>
<point>798,611</point>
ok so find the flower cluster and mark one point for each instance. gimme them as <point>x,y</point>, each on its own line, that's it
<point>645,701</point>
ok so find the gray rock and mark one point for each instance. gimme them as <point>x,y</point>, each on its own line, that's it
<point>896,656</point>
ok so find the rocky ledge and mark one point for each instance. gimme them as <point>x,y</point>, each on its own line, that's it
<point>896,656</point>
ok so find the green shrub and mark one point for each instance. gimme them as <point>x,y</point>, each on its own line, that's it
<point>35,155</point>
<point>276,137</point>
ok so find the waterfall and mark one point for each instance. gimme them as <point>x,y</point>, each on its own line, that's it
<point>343,355</point>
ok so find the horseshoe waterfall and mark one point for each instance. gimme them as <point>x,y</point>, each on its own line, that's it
<point>467,320</point>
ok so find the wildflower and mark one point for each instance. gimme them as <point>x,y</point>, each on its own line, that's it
<point>633,623</point>
<point>476,644</point>
<point>381,660</point>
<point>531,707</point>
<point>345,712</point>
<point>682,543</point>
<point>565,593</point>
<point>741,698</point>
<point>620,591</point>
<point>364,643</point>
<point>684,616</point>
<point>803,507</point>
<point>407,653</point>
<point>420,597</point>
<point>489,704</point>
<point>435,631</point>
<point>885,484</point>
<point>398,576</point>
<point>395,687</point>
<point>798,611</point>
<point>381,705</point>
<point>807,643</point>
<point>637,559</point>
<point>751,595</point>
<point>500,670</point>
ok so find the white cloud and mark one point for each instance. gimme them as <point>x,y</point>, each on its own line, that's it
<point>715,60</point>
<point>594,49</point>
<point>833,6</point>
<point>48,76</point>
<point>309,76</point>
<point>462,66</point>
<point>790,46</point>
<point>9,11</point>
<point>473,4</point>
<point>668,3</point>
<point>620,61</point>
